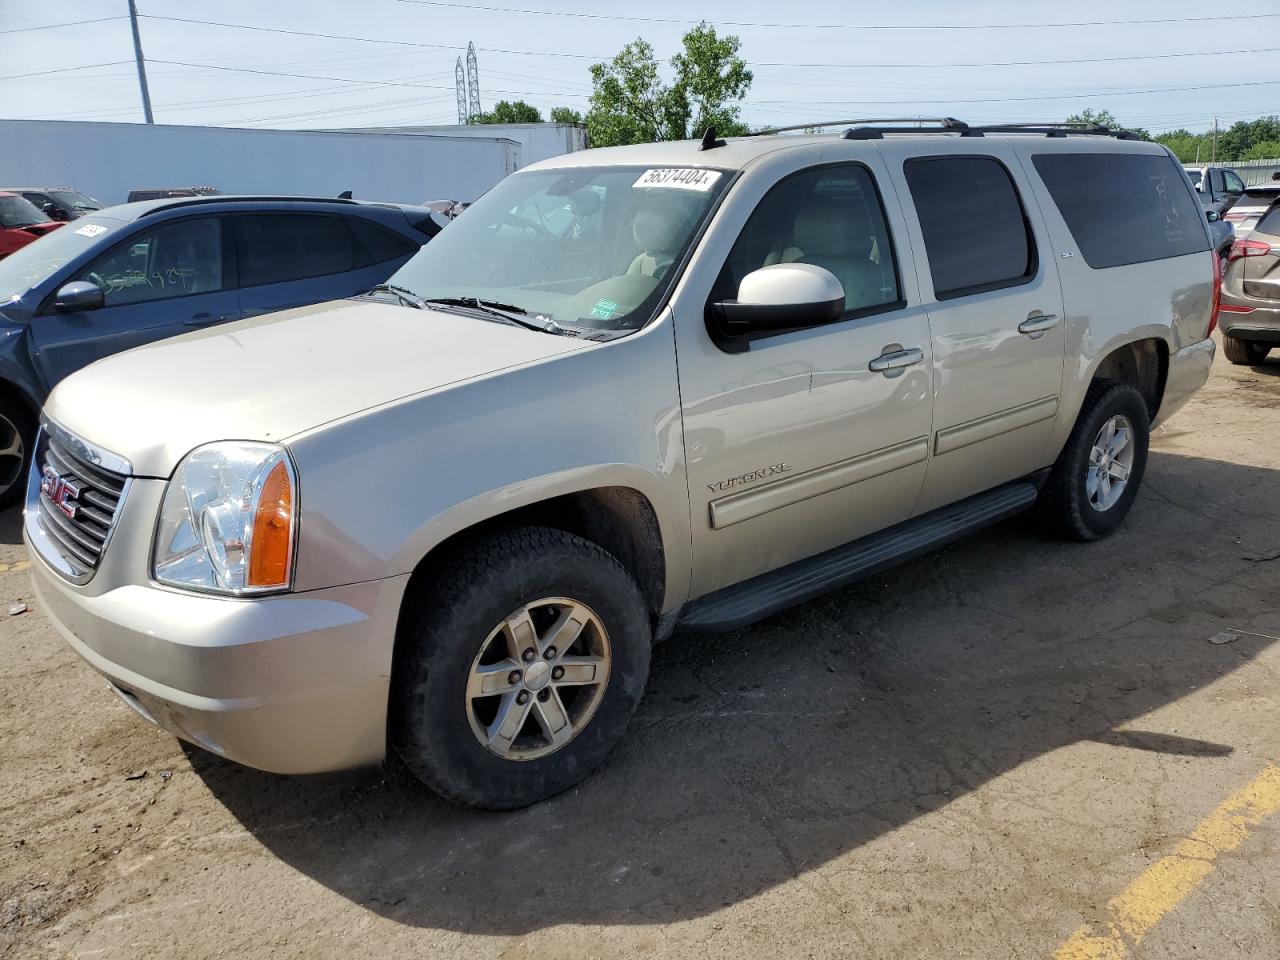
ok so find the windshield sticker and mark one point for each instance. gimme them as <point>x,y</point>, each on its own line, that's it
<point>92,230</point>
<point>676,178</point>
<point>604,309</point>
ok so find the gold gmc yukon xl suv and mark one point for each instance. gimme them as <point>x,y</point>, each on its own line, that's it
<point>630,390</point>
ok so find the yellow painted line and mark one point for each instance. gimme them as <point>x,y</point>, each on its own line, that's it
<point>19,565</point>
<point>1168,881</point>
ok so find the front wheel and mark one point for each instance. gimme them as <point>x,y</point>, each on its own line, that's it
<point>1096,477</point>
<point>1244,352</point>
<point>518,669</point>
<point>17,442</point>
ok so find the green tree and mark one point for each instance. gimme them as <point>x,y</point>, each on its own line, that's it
<point>630,103</point>
<point>1186,146</point>
<point>1238,139</point>
<point>505,111</point>
<point>1105,118</point>
<point>1263,150</point>
<point>565,115</point>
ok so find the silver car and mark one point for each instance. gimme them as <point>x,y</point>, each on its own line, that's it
<point>632,390</point>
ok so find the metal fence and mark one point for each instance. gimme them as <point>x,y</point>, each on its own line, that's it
<point>1254,172</point>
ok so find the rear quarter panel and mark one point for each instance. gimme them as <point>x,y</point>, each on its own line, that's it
<point>1166,300</point>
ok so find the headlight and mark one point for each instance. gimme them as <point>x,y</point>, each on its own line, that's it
<point>228,519</point>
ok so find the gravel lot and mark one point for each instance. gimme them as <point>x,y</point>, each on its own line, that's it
<point>966,757</point>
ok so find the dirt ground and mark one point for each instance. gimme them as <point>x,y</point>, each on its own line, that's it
<point>977,755</point>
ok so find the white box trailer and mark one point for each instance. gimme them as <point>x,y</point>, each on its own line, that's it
<point>107,160</point>
<point>538,141</point>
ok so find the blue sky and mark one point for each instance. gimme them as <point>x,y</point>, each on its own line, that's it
<point>812,60</point>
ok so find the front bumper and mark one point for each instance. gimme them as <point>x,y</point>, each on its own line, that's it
<point>1188,372</point>
<point>295,683</point>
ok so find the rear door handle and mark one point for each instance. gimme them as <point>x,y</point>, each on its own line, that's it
<point>888,363</point>
<point>1038,324</point>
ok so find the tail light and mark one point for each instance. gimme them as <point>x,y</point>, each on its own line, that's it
<point>1217,295</point>
<point>1248,248</point>
<point>1235,216</point>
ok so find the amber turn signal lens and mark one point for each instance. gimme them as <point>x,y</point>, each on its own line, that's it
<point>272,542</point>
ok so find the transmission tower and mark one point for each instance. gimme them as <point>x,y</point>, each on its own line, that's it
<point>473,84</point>
<point>460,81</point>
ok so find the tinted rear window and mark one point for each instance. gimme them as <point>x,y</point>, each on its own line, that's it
<point>975,231</point>
<point>293,246</point>
<point>375,244</point>
<point>1124,207</point>
<point>1270,224</point>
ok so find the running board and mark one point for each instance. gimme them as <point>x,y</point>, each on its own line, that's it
<point>754,599</point>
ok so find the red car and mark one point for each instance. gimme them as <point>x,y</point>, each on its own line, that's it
<point>21,221</point>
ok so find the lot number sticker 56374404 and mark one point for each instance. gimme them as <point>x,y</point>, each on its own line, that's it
<point>679,178</point>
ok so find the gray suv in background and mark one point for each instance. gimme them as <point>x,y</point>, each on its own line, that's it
<point>132,274</point>
<point>1251,292</point>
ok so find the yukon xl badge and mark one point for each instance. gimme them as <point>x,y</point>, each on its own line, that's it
<point>62,493</point>
<point>777,470</point>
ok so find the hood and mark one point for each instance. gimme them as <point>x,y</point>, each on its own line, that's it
<point>271,377</point>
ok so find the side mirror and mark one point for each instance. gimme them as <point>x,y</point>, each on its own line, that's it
<point>781,297</point>
<point>1213,216</point>
<point>78,295</point>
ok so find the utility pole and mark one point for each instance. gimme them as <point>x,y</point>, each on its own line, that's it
<point>142,69</point>
<point>1214,158</point>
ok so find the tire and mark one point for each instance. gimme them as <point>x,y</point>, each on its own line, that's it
<point>1244,352</point>
<point>1072,500</point>
<point>456,627</point>
<point>17,443</point>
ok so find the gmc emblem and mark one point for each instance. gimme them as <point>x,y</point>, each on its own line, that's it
<point>61,492</point>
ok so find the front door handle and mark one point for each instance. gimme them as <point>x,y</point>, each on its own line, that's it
<point>1038,323</point>
<point>890,364</point>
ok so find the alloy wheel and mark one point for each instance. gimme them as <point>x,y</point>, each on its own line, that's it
<point>1110,463</point>
<point>538,678</point>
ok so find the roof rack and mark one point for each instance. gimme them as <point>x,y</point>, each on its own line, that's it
<point>238,198</point>
<point>875,129</point>
<point>949,123</point>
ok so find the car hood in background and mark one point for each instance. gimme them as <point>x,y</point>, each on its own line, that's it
<point>274,376</point>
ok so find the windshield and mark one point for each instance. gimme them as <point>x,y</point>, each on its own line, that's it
<point>75,199</point>
<point>20,212</point>
<point>36,262</point>
<point>588,246</point>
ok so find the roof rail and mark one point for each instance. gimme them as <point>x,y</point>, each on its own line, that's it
<point>1060,128</point>
<point>949,123</point>
<point>235,198</point>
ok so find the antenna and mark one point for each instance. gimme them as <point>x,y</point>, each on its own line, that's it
<point>460,81</point>
<point>473,84</point>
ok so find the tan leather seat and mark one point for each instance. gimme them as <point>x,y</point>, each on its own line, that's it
<point>838,238</point>
<point>658,234</point>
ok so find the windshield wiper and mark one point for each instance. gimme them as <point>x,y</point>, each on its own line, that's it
<point>406,295</point>
<point>506,311</point>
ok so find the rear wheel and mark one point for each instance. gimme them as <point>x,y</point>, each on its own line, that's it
<point>518,669</point>
<point>1244,352</point>
<point>1097,475</point>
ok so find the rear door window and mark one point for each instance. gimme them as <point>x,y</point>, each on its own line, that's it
<point>1124,208</point>
<point>1270,224</point>
<point>975,229</point>
<point>278,247</point>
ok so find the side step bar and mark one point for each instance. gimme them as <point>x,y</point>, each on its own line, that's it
<point>754,599</point>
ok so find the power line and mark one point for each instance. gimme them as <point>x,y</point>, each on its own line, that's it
<point>56,26</point>
<point>311,76</point>
<point>751,63</point>
<point>1064,96</point>
<point>832,26</point>
<point>83,66</point>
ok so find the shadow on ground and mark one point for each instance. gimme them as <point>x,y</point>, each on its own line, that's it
<point>11,525</point>
<point>759,754</point>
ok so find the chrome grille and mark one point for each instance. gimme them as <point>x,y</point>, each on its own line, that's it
<point>72,502</point>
